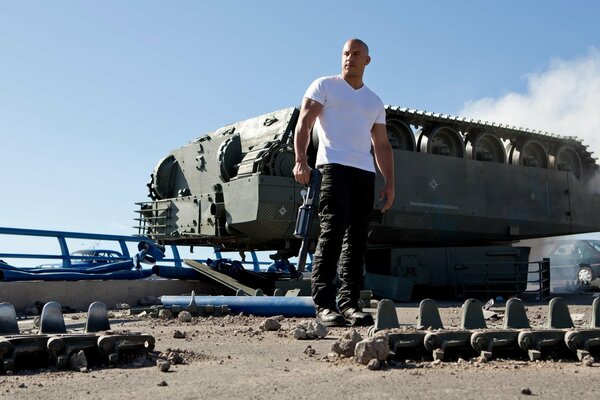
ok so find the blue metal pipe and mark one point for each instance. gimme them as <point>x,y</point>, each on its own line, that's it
<point>169,272</point>
<point>149,252</point>
<point>7,266</point>
<point>109,267</point>
<point>10,275</point>
<point>84,268</point>
<point>302,306</point>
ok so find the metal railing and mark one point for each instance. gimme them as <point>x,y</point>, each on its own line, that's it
<point>504,278</point>
<point>67,258</point>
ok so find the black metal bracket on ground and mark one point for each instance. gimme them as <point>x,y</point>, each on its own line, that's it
<point>220,278</point>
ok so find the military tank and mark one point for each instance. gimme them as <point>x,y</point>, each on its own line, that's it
<point>466,191</point>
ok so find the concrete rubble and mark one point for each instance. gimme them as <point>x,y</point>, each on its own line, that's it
<point>179,334</point>
<point>346,344</point>
<point>163,365</point>
<point>312,329</point>
<point>184,316</point>
<point>376,348</point>
<point>270,324</point>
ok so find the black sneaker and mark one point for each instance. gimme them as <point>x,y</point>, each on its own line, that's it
<point>358,318</point>
<point>329,317</point>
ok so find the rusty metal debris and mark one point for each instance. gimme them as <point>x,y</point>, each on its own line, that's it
<point>54,343</point>
<point>516,339</point>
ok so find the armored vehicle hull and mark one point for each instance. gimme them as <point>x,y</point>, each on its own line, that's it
<point>458,183</point>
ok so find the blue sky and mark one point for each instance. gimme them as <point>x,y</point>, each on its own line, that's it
<point>93,94</point>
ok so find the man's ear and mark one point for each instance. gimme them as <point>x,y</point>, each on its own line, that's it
<point>368,60</point>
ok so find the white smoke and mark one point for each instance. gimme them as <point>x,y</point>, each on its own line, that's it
<point>564,99</point>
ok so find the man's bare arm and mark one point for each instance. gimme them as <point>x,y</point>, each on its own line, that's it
<point>308,115</point>
<point>384,158</point>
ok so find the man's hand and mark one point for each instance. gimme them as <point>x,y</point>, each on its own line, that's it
<point>302,173</point>
<point>384,158</point>
<point>387,195</point>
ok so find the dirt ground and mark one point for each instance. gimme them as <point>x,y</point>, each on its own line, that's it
<point>231,357</point>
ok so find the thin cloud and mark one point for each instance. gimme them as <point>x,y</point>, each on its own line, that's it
<point>563,99</point>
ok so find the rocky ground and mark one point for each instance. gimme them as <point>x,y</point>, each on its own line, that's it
<point>236,356</point>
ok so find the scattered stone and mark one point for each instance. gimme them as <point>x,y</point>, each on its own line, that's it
<point>184,316</point>
<point>165,314</point>
<point>588,361</point>
<point>78,361</point>
<point>374,364</point>
<point>346,344</point>
<point>270,324</point>
<point>436,362</point>
<point>375,347</point>
<point>178,335</point>
<point>526,391</point>
<point>309,330</point>
<point>22,386</point>
<point>122,306</point>
<point>174,357</point>
<point>299,333</point>
<point>143,314</point>
<point>482,359</point>
<point>162,383</point>
<point>310,351</point>
<point>163,365</point>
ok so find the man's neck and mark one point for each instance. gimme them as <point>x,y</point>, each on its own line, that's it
<point>354,81</point>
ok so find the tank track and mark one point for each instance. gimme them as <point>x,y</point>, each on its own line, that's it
<point>430,340</point>
<point>54,341</point>
<point>429,132</point>
<point>476,137</point>
<point>193,200</point>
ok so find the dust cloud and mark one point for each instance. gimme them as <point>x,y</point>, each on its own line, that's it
<point>563,99</point>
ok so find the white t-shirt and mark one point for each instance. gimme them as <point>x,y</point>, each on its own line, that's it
<point>345,122</point>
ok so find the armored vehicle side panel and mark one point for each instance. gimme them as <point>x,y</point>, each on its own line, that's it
<point>462,187</point>
<point>234,186</point>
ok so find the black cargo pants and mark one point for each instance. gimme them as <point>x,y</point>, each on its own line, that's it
<point>345,207</point>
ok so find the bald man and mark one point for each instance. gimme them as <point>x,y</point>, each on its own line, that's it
<point>349,119</point>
